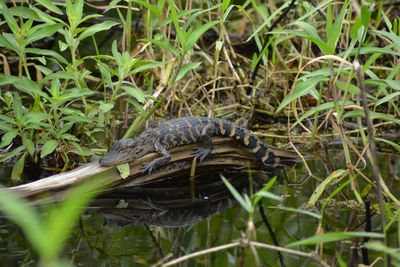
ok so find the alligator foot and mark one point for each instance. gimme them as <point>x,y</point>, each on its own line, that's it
<point>148,167</point>
<point>201,153</point>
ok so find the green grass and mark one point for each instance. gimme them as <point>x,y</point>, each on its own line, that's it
<point>75,75</point>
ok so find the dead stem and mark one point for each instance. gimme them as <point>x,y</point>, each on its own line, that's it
<point>372,148</point>
<point>246,243</point>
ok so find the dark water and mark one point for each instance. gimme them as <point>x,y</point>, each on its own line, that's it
<point>97,241</point>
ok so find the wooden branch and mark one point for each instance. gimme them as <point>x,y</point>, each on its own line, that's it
<point>226,154</point>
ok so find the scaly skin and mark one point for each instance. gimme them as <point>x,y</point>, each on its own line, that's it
<point>185,131</point>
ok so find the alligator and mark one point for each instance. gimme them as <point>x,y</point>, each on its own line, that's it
<point>183,131</point>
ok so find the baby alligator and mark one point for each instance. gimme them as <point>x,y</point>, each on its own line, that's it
<point>185,131</point>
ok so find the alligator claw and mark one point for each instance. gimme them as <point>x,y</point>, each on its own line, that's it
<point>201,153</point>
<point>148,167</point>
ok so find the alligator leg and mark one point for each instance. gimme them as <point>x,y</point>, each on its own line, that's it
<point>166,157</point>
<point>202,152</point>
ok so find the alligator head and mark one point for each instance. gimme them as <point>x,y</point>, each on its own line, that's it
<point>126,150</point>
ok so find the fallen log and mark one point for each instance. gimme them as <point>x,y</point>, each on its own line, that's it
<point>182,186</point>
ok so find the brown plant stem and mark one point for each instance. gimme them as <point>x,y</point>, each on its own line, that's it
<point>372,147</point>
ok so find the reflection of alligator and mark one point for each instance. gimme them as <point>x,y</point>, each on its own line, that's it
<point>176,201</point>
<point>184,131</point>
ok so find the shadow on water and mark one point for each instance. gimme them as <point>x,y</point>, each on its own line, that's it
<point>114,231</point>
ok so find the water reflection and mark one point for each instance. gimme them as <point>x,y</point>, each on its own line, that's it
<point>176,201</point>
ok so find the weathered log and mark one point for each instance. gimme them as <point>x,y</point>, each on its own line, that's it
<point>226,154</point>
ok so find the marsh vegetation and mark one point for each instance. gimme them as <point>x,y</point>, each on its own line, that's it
<point>320,79</point>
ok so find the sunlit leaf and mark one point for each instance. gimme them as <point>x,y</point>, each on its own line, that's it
<point>103,26</point>
<point>35,117</point>
<point>196,34</point>
<point>106,107</point>
<point>319,108</point>
<point>29,145</point>
<point>239,198</point>
<point>186,68</point>
<point>24,12</point>
<point>46,52</point>
<point>48,148</point>
<point>302,88</point>
<point>63,217</point>
<point>381,247</point>
<point>7,138</point>
<point>135,92</point>
<point>331,237</point>
<point>124,170</point>
<point>42,31</point>
<point>11,22</point>
<point>22,213</point>
<point>373,116</point>
<point>50,6</point>
<point>333,177</point>
<point>17,107</point>
<point>393,144</point>
<point>18,169</point>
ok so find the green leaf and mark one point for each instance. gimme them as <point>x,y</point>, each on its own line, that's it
<point>331,237</point>
<point>23,84</point>
<point>302,88</point>
<point>8,41</point>
<point>50,6</point>
<point>163,44</point>
<point>42,31</point>
<point>106,107</point>
<point>393,144</point>
<point>135,92</point>
<point>17,107</point>
<point>29,145</point>
<point>124,170</point>
<point>379,246</point>
<point>61,219</point>
<point>105,74</point>
<point>16,173</point>
<point>373,116</point>
<point>365,16</point>
<point>24,12</point>
<point>22,213</point>
<point>11,22</point>
<point>393,84</point>
<point>192,37</point>
<point>318,109</point>
<point>7,138</point>
<point>147,66</point>
<point>48,148</point>
<point>266,194</point>
<point>63,46</point>
<point>334,34</point>
<point>149,7</point>
<point>185,69</point>
<point>137,105</point>
<point>35,117</point>
<point>74,11</point>
<point>175,21</point>
<point>303,34</point>
<point>45,17</point>
<point>239,198</point>
<point>12,154</point>
<point>5,126</point>
<point>103,26</point>
<point>351,88</point>
<point>334,176</point>
<point>300,211</point>
<point>389,97</point>
<point>225,4</point>
<point>81,151</point>
<point>46,52</point>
